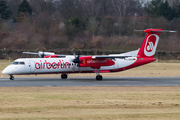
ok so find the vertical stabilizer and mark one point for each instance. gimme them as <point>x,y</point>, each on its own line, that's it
<point>149,45</point>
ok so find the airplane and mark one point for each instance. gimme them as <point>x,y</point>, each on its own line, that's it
<point>51,63</point>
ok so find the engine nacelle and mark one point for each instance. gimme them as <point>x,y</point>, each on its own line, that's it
<point>51,56</point>
<point>87,61</point>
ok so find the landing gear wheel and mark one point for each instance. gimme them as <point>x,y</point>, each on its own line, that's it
<point>64,76</point>
<point>11,77</point>
<point>99,77</point>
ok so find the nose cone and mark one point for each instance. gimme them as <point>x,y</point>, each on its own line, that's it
<point>8,70</point>
<point>5,71</point>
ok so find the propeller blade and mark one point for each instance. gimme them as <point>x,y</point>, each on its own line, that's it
<point>76,60</point>
<point>79,53</point>
<point>43,54</point>
<point>74,53</point>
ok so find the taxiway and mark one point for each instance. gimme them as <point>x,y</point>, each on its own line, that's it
<point>90,81</point>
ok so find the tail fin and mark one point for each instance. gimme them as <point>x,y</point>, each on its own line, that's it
<point>149,45</point>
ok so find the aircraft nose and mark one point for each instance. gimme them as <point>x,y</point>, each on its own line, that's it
<point>7,70</point>
<point>4,71</point>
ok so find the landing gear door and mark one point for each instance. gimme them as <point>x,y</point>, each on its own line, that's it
<point>32,66</point>
<point>116,64</point>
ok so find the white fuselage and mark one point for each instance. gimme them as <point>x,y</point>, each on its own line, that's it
<point>58,65</point>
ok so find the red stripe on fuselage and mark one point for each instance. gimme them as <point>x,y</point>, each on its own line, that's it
<point>139,62</point>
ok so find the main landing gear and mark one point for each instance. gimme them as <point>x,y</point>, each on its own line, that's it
<point>64,76</point>
<point>11,77</point>
<point>98,77</point>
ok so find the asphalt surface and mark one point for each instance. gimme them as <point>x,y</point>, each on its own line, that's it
<point>90,81</point>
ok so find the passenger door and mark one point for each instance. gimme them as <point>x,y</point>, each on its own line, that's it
<point>32,66</point>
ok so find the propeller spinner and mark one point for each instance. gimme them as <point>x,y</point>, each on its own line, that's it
<point>76,60</point>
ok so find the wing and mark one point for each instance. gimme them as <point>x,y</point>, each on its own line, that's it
<point>45,54</point>
<point>31,53</point>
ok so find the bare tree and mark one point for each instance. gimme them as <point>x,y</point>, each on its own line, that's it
<point>45,6</point>
<point>44,13</point>
<point>106,8</point>
<point>120,6</point>
<point>139,7</point>
<point>68,8</point>
<point>92,25</point>
<point>123,8</point>
<point>90,8</point>
<point>173,2</point>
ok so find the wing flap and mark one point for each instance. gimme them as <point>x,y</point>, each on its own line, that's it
<point>109,57</point>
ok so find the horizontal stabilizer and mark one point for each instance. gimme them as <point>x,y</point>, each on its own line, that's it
<point>154,30</point>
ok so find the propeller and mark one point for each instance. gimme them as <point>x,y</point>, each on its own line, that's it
<point>41,54</point>
<point>76,60</point>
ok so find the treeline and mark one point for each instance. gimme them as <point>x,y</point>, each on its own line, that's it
<point>15,54</point>
<point>162,8</point>
<point>85,24</point>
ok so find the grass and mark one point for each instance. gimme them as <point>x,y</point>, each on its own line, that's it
<point>90,103</point>
<point>95,103</point>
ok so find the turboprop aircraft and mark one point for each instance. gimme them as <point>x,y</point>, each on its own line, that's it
<point>67,64</point>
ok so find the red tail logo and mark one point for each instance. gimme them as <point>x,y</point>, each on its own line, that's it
<point>151,45</point>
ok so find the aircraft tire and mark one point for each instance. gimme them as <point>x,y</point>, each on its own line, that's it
<point>64,76</point>
<point>11,77</point>
<point>99,77</point>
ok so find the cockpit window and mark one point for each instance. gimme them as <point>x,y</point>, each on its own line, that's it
<point>21,63</point>
<point>18,63</point>
<point>15,63</point>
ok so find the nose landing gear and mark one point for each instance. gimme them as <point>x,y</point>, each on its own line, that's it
<point>11,77</point>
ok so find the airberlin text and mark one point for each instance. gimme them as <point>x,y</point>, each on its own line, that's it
<point>96,61</point>
<point>54,65</point>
